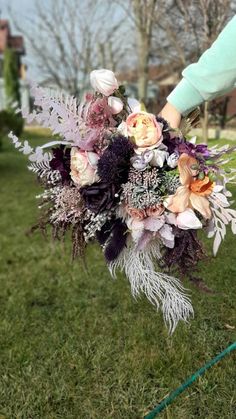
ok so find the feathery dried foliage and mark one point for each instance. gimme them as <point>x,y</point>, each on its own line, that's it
<point>185,255</point>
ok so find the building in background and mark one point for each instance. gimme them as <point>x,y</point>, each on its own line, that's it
<point>15,42</point>
<point>163,79</point>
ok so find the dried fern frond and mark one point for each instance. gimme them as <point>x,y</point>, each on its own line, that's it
<point>190,121</point>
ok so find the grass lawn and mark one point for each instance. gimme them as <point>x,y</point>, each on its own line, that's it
<point>76,345</point>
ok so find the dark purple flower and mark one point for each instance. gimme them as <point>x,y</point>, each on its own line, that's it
<point>165,129</point>
<point>180,145</point>
<point>113,235</point>
<point>114,164</point>
<point>61,162</point>
<point>173,144</point>
<point>203,150</point>
<point>100,196</point>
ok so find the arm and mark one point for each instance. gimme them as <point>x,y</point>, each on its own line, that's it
<point>213,75</point>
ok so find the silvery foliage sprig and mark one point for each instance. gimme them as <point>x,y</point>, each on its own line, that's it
<point>222,215</point>
<point>35,155</point>
<point>38,158</point>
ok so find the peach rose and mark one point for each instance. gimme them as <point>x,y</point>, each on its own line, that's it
<point>138,214</point>
<point>144,129</point>
<point>83,167</point>
<point>155,211</point>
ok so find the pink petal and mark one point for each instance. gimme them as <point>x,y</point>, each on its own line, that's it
<point>201,204</point>
<point>187,220</point>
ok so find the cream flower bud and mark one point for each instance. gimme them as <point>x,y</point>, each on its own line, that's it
<point>172,160</point>
<point>159,156</point>
<point>134,104</point>
<point>103,81</point>
<point>115,104</point>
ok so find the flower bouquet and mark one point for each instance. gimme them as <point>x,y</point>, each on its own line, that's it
<point>121,176</point>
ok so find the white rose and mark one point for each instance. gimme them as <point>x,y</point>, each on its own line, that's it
<point>103,81</point>
<point>115,104</point>
<point>172,160</point>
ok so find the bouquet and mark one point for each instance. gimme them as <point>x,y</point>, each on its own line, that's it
<point>121,176</point>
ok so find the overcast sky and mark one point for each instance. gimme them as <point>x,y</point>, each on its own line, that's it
<point>20,7</point>
<point>22,10</point>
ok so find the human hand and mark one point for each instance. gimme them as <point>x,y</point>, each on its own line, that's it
<point>171,115</point>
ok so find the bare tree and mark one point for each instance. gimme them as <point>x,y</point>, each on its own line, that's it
<point>142,15</point>
<point>196,25</point>
<point>69,38</point>
<point>144,12</point>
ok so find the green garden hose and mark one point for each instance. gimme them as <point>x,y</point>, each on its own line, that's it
<point>169,399</point>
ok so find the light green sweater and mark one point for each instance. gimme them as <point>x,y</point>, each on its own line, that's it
<point>212,76</point>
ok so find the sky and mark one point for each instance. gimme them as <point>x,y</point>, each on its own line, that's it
<point>24,11</point>
<point>20,7</point>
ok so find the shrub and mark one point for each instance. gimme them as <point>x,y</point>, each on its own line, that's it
<point>10,122</point>
<point>11,77</point>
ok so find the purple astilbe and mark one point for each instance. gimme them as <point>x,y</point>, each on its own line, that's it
<point>61,162</point>
<point>99,114</point>
<point>114,164</point>
<point>100,196</point>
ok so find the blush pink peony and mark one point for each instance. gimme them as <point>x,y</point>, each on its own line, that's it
<point>144,129</point>
<point>83,167</point>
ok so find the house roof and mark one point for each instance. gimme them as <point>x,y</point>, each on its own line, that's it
<point>7,40</point>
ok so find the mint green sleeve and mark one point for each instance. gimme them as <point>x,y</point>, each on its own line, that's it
<point>212,76</point>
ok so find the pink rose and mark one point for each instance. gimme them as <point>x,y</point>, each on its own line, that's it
<point>137,214</point>
<point>83,167</point>
<point>145,130</point>
<point>155,211</point>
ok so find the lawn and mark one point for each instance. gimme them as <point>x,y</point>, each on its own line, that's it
<point>74,344</point>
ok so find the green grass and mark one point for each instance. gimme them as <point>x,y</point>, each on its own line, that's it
<point>77,345</point>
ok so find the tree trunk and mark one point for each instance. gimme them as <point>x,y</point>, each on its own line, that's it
<point>143,58</point>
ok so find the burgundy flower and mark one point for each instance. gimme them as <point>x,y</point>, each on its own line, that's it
<point>180,145</point>
<point>165,129</point>
<point>100,196</point>
<point>113,235</point>
<point>100,114</point>
<point>61,162</point>
<point>114,164</point>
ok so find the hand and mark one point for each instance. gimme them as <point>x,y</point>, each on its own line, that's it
<point>171,114</point>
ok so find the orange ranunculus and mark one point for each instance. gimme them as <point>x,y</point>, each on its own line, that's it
<point>144,129</point>
<point>193,193</point>
<point>202,187</point>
